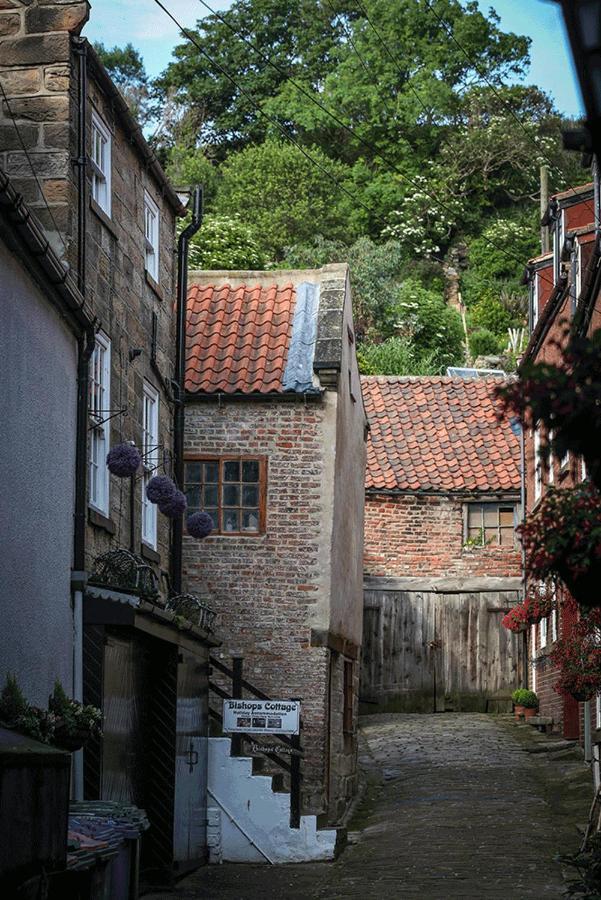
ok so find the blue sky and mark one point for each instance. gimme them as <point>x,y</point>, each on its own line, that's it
<point>148,28</point>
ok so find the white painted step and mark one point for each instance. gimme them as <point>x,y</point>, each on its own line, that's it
<point>248,822</point>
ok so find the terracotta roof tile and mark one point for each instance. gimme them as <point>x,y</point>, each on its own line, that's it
<point>438,434</point>
<point>238,337</point>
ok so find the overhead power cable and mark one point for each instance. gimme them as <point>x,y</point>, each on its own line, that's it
<point>391,165</point>
<point>262,112</point>
<point>484,77</point>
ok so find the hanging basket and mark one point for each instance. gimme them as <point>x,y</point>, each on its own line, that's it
<point>586,587</point>
<point>124,460</point>
<point>582,696</point>
<point>71,740</point>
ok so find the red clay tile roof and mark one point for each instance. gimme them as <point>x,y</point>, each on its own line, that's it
<point>238,337</point>
<point>438,434</point>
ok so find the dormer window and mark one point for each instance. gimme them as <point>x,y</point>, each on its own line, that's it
<point>151,236</point>
<point>100,161</point>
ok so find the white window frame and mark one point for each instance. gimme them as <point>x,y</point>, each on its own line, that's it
<point>598,711</point>
<point>553,625</point>
<point>152,228</point>
<point>538,464</point>
<point>578,268</point>
<point>565,460</point>
<point>583,472</point>
<point>542,632</point>
<point>99,413</point>
<point>550,466</point>
<point>150,454</point>
<point>101,163</point>
<point>535,299</point>
<point>558,239</point>
<point>533,655</point>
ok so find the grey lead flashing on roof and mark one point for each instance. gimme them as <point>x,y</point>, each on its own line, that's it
<point>298,376</point>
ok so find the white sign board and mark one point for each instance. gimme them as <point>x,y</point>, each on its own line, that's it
<point>261,716</point>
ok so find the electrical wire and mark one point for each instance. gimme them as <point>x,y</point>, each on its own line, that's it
<point>333,116</point>
<point>31,166</point>
<point>483,77</point>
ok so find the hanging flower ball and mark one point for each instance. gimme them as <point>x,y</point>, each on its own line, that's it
<point>124,459</point>
<point>160,488</point>
<point>199,525</point>
<point>175,505</point>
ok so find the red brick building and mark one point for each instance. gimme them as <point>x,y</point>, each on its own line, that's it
<point>275,452</point>
<point>561,282</point>
<point>442,563</point>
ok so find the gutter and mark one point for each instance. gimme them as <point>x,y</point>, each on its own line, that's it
<point>26,237</point>
<point>183,244</point>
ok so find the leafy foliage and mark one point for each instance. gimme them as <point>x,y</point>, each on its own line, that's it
<point>421,316</point>
<point>283,196</point>
<point>483,343</point>
<point>225,242</point>
<point>396,114</point>
<point>126,68</point>
<point>396,356</point>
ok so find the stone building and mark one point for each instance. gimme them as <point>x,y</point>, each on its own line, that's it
<point>561,283</point>
<point>442,563</point>
<point>73,150</point>
<point>275,453</point>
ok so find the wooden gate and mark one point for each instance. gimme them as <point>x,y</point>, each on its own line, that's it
<point>426,651</point>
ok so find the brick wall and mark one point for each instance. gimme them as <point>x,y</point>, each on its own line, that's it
<point>268,589</point>
<point>419,535</point>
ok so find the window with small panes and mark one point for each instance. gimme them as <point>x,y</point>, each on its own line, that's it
<point>231,490</point>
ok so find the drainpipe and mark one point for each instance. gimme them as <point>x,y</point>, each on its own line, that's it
<point>85,348</point>
<point>180,372</point>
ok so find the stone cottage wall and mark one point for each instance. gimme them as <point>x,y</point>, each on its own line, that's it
<point>411,535</point>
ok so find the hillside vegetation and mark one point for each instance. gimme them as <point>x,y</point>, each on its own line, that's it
<point>382,132</point>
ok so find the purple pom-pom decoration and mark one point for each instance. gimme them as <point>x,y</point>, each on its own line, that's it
<point>160,488</point>
<point>124,460</point>
<point>199,525</point>
<point>175,505</point>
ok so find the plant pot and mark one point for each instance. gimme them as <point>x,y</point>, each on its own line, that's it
<point>519,712</point>
<point>529,712</point>
<point>70,741</point>
<point>582,696</point>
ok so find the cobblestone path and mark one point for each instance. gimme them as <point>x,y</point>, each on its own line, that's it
<point>455,806</point>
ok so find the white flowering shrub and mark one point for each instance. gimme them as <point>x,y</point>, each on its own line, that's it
<point>225,242</point>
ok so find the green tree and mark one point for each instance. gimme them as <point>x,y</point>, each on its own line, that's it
<point>126,68</point>
<point>283,196</point>
<point>225,242</point>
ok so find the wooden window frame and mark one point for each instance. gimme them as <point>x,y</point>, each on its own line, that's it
<point>498,504</point>
<point>221,459</point>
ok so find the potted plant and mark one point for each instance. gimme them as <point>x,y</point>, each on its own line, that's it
<point>16,713</point>
<point>529,701</point>
<point>518,707</point>
<point>562,538</point>
<point>75,723</point>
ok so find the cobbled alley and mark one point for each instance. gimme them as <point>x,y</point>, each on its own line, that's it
<point>468,806</point>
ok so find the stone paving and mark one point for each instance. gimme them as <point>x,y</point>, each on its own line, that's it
<point>456,806</point>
